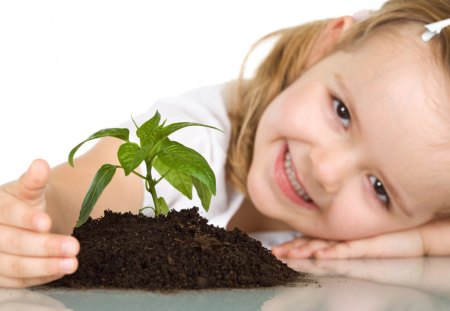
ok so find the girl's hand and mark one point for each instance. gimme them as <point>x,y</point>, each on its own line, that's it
<point>29,253</point>
<point>407,243</point>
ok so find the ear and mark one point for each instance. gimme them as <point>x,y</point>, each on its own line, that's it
<point>331,35</point>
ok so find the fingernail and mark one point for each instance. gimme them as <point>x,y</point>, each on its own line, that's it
<point>296,252</point>
<point>40,222</point>
<point>279,251</point>
<point>321,254</point>
<point>69,248</point>
<point>67,265</point>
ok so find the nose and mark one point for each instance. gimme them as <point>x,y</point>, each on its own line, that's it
<point>331,165</point>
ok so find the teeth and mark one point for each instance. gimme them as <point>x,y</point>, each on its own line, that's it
<point>293,180</point>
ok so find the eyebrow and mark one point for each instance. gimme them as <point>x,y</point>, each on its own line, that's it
<point>348,99</point>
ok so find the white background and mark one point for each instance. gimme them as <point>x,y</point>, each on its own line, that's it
<point>70,68</point>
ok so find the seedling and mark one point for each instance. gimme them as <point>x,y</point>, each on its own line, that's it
<point>183,167</point>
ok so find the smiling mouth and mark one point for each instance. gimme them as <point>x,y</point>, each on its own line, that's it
<point>288,167</point>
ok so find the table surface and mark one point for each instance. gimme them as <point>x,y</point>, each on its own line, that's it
<point>376,284</point>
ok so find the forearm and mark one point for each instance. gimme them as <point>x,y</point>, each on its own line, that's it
<point>428,239</point>
<point>63,196</point>
<point>435,236</point>
<point>68,186</point>
<point>56,213</point>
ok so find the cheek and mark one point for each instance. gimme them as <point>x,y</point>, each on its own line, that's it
<point>355,219</point>
<point>349,215</point>
<point>260,180</point>
<point>254,185</point>
<point>347,225</point>
<point>302,111</point>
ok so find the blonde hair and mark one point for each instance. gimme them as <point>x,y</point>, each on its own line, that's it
<point>288,59</point>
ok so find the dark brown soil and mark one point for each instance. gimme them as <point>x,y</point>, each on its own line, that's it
<point>180,251</point>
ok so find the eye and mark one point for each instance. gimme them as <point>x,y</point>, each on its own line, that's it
<point>342,112</point>
<point>379,190</point>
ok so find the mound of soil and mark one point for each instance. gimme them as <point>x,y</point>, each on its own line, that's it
<point>179,251</point>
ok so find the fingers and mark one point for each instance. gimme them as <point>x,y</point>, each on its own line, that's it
<point>396,244</point>
<point>29,254</point>
<point>408,243</point>
<point>351,249</point>
<point>17,213</point>
<point>27,243</point>
<point>282,250</point>
<point>32,267</point>
<point>301,248</point>
<point>29,258</point>
<point>22,203</point>
<point>33,182</point>
<point>324,249</point>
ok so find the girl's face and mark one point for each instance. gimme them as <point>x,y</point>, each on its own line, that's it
<point>353,148</point>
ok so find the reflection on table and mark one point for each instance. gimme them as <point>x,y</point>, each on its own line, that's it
<point>385,284</point>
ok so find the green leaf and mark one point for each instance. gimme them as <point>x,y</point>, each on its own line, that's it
<point>142,154</point>
<point>147,132</point>
<point>161,207</point>
<point>182,167</point>
<point>186,160</point>
<point>178,179</point>
<point>121,133</point>
<point>203,193</point>
<point>101,180</point>
<point>171,128</point>
<point>127,154</point>
<point>152,132</point>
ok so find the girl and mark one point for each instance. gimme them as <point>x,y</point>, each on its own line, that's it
<point>340,135</point>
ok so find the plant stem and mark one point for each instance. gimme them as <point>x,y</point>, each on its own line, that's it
<point>152,189</point>
<point>162,177</point>
<point>137,174</point>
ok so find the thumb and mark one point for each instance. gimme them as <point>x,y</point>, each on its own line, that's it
<point>32,183</point>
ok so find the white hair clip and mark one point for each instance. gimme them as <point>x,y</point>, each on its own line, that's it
<point>362,15</point>
<point>434,29</point>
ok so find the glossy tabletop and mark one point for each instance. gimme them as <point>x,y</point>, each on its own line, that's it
<point>385,284</point>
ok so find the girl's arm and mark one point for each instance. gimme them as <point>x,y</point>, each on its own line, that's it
<point>428,239</point>
<point>435,236</point>
<point>68,186</point>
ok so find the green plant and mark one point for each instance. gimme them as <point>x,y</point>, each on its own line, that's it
<point>183,167</point>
